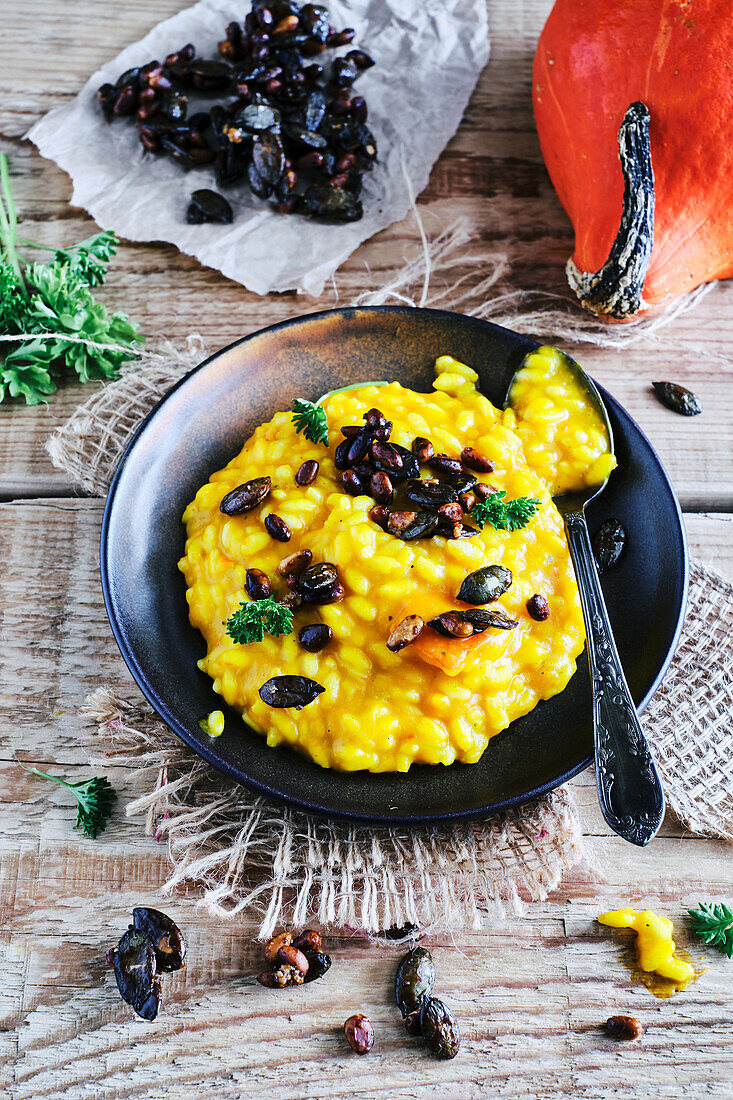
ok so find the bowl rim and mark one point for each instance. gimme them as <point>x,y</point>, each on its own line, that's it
<point>207,752</point>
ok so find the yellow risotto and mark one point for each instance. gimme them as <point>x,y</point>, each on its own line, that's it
<point>443,696</point>
<point>564,437</point>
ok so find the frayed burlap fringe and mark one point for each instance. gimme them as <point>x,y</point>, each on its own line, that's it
<point>689,720</point>
<point>245,853</point>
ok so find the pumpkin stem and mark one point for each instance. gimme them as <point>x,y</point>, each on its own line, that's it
<point>615,290</point>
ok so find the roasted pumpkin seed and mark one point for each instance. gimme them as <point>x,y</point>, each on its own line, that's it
<point>485,585</point>
<point>414,980</point>
<point>439,1028</point>
<point>608,544</point>
<point>290,691</point>
<point>677,398</point>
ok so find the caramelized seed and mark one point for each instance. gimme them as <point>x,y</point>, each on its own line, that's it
<point>467,500</point>
<point>380,516</point>
<point>292,600</point>
<point>400,521</point>
<point>482,491</point>
<point>307,473</point>
<point>359,1033</point>
<point>294,565</point>
<point>386,457</point>
<point>283,940</point>
<point>308,940</point>
<point>452,624</point>
<point>452,512</point>
<point>538,607</point>
<point>293,957</point>
<point>257,585</point>
<point>246,497</point>
<point>445,464</point>
<point>677,398</point>
<point>381,487</point>
<point>277,528</point>
<point>268,979</point>
<point>406,631</point>
<point>352,483</point>
<point>624,1027</point>
<point>422,449</point>
<point>314,638</point>
<point>474,460</point>
<point>341,454</point>
<point>350,430</point>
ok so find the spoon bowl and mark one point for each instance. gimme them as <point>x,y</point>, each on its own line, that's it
<point>629,789</point>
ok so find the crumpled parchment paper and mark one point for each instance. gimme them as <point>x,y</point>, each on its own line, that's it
<point>428,54</point>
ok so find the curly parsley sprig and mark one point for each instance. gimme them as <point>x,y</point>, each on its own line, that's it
<point>95,798</point>
<point>505,515</point>
<point>713,922</point>
<point>49,318</point>
<point>255,618</point>
<point>311,420</point>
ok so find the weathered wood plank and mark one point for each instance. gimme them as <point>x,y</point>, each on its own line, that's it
<point>491,173</point>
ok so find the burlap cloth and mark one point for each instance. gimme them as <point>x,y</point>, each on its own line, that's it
<point>242,852</point>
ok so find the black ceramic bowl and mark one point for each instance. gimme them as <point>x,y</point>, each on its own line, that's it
<point>203,422</point>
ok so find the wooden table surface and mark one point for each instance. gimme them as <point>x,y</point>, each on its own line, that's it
<point>530,993</point>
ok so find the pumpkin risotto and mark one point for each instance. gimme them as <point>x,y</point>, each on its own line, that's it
<point>410,630</point>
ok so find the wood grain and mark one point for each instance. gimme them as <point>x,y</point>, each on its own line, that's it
<point>530,994</point>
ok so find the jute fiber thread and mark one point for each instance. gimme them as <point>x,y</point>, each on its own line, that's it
<point>243,852</point>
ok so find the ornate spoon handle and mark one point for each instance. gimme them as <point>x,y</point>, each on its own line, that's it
<point>629,788</point>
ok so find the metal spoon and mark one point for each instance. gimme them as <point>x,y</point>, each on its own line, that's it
<point>629,788</point>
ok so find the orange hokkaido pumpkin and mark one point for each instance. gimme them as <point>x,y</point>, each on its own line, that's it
<point>633,102</point>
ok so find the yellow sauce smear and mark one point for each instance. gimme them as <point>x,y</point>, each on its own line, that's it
<point>436,701</point>
<point>664,969</point>
<point>564,437</point>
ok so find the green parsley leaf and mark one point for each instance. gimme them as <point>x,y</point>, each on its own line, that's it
<point>50,322</point>
<point>311,420</point>
<point>505,515</point>
<point>713,922</point>
<point>95,798</point>
<point>255,618</point>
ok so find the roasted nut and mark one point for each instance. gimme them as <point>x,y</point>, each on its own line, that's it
<point>307,472</point>
<point>380,516</point>
<point>353,484</point>
<point>267,978</point>
<point>314,638</point>
<point>386,457</point>
<point>319,584</point>
<point>406,631</point>
<point>467,500</point>
<point>482,490</point>
<point>451,512</point>
<point>308,939</point>
<point>292,956</point>
<point>257,585</point>
<point>538,607</point>
<point>292,600</point>
<point>422,449</point>
<point>381,487</point>
<point>277,528</point>
<point>294,565</point>
<point>359,1033</point>
<point>341,454</point>
<point>375,418</point>
<point>399,521</point>
<point>283,940</point>
<point>287,975</point>
<point>624,1027</point>
<point>474,460</point>
<point>246,497</point>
